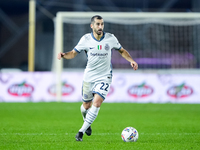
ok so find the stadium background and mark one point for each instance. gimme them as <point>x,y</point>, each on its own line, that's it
<point>39,123</point>
<point>14,24</point>
<point>164,68</point>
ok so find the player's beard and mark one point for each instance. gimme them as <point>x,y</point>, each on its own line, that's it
<point>97,31</point>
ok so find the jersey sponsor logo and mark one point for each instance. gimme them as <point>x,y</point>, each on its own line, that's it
<point>180,91</point>
<point>107,47</point>
<point>98,54</point>
<point>99,47</point>
<point>22,89</point>
<point>142,90</point>
<point>67,89</point>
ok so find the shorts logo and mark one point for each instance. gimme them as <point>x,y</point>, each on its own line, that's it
<point>107,47</point>
<point>85,96</point>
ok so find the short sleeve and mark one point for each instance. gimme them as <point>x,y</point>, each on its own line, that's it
<point>116,44</point>
<point>81,46</point>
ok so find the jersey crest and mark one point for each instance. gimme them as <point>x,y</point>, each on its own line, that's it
<point>107,47</point>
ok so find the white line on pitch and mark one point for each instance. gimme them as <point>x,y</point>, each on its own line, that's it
<point>32,134</point>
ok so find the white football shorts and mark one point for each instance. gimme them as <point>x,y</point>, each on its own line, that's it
<point>90,88</point>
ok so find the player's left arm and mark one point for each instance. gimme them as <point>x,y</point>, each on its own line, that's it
<point>124,53</point>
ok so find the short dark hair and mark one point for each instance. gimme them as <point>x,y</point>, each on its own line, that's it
<point>97,17</point>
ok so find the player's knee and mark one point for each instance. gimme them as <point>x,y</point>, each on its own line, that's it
<point>97,104</point>
<point>98,99</point>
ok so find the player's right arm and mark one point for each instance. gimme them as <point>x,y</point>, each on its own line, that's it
<point>78,48</point>
<point>68,55</point>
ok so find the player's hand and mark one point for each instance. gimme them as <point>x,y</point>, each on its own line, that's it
<point>134,65</point>
<point>60,55</point>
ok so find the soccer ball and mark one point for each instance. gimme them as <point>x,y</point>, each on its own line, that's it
<point>129,134</point>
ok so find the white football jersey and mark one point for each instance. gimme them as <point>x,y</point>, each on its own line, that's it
<point>98,53</point>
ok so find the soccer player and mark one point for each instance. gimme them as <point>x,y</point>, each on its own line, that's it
<point>98,73</point>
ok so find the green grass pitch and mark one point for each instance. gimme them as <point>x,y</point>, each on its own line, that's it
<point>53,126</point>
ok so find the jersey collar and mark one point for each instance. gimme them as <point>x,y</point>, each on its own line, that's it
<point>96,39</point>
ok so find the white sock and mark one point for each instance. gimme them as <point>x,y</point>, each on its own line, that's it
<point>83,111</point>
<point>90,117</point>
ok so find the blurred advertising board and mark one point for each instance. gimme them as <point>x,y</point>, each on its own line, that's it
<point>126,87</point>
